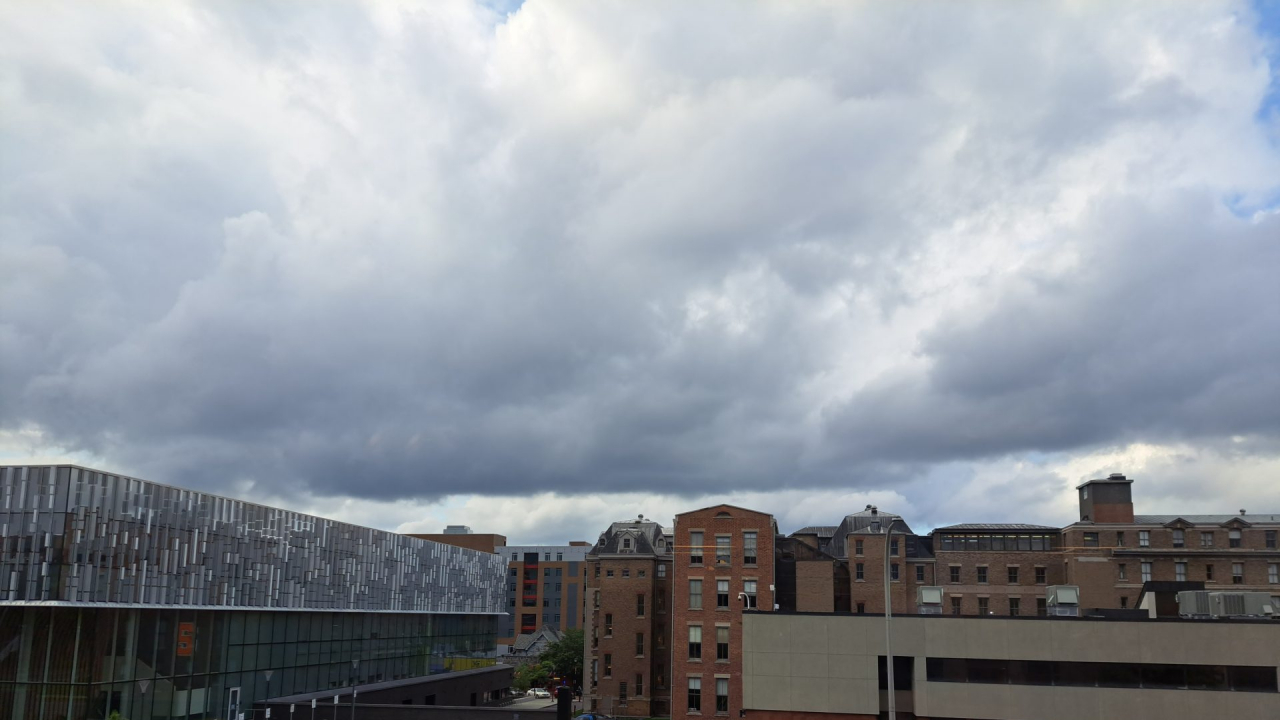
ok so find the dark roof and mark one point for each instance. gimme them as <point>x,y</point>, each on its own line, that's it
<point>996,527</point>
<point>525,641</point>
<point>861,523</point>
<point>1168,586</point>
<point>1206,519</point>
<point>643,533</point>
<point>825,531</point>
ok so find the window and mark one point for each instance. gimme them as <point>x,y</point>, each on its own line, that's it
<point>1124,602</point>
<point>1106,674</point>
<point>608,624</point>
<point>639,604</point>
<point>1273,573</point>
<point>1146,572</point>
<point>1122,571</point>
<point>749,548</point>
<point>1180,571</point>
<point>1179,538</point>
<point>639,685</point>
<point>859,572</point>
<point>722,549</point>
<point>556,617</point>
<point>982,574</point>
<point>515,557</point>
<point>626,543</point>
<point>608,665</point>
<point>557,587</point>
<point>1233,538</point>
<point>608,573</point>
<point>857,547</point>
<point>695,642</point>
<point>622,693</point>
<point>1206,539</point>
<point>1237,573</point>
<point>559,557</point>
<point>642,573</point>
<point>695,548</point>
<point>955,574</point>
<point>597,570</point>
<point>722,695</point>
<point>559,572</point>
<point>626,572</point>
<point>722,594</point>
<point>893,547</point>
<point>1271,539</point>
<point>1208,573</point>
<point>893,572</point>
<point>1015,605</point>
<point>546,572</point>
<point>749,589</point>
<point>919,573</point>
<point>639,644</point>
<point>1041,576</point>
<point>546,557</point>
<point>662,570</point>
<point>695,593</point>
<point>659,603</point>
<point>955,605</point>
<point>1013,575</point>
<point>1042,607</point>
<point>1144,538</point>
<point>722,643</point>
<point>1091,539</point>
<point>695,694</point>
<point>984,605</point>
<point>1120,539</point>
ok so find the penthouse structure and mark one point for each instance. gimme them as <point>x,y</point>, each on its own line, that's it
<point>122,595</point>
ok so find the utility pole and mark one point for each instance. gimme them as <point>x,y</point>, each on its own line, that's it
<point>888,620</point>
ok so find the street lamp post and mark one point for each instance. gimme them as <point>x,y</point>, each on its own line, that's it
<point>888,621</point>
<point>354,664</point>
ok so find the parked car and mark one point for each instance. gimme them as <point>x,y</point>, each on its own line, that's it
<point>593,716</point>
<point>541,693</point>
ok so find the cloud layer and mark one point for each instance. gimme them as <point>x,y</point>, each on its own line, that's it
<point>415,251</point>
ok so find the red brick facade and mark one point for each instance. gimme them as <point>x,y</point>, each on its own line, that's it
<point>711,548</point>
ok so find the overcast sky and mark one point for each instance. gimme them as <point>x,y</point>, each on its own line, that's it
<point>537,267</point>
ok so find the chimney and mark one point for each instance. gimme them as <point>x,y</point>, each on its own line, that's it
<point>875,510</point>
<point>1241,512</point>
<point>1106,500</point>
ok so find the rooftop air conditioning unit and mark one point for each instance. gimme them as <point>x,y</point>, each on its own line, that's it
<point>1202,604</point>
<point>929,600</point>
<point>1063,600</point>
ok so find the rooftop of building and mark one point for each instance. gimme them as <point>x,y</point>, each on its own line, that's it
<point>822,531</point>
<point>1113,479</point>
<point>646,538</point>
<point>994,527</point>
<point>1206,519</point>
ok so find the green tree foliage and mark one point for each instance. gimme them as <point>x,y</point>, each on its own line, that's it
<point>564,657</point>
<point>530,675</point>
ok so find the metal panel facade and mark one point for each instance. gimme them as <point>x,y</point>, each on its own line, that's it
<point>74,535</point>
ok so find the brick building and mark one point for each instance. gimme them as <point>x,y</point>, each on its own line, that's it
<point>628,621</point>
<point>724,566</point>
<point>1005,569</point>
<point>546,587</point>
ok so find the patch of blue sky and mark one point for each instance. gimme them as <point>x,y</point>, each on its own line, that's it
<point>1267,13</point>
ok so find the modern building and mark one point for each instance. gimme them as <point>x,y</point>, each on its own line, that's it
<point>544,588</point>
<point>156,602</point>
<point>724,569</point>
<point>821,666</point>
<point>627,653</point>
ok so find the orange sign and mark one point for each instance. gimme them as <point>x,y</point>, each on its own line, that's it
<point>186,638</point>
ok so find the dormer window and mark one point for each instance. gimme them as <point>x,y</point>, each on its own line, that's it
<point>626,543</point>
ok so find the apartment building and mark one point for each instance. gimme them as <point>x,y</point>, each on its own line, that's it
<point>1005,569</point>
<point>1110,552</point>
<point>546,587</point>
<point>724,568</point>
<point>627,652</point>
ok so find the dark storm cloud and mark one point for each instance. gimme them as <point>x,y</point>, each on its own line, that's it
<point>405,251</point>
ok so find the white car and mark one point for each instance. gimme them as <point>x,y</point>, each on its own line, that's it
<point>541,693</point>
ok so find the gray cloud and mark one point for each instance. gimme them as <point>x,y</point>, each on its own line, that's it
<point>394,252</point>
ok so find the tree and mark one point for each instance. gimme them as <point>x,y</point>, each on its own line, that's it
<point>532,674</point>
<point>564,656</point>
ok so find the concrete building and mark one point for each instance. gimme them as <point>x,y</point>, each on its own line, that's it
<point>627,652</point>
<point>121,595</point>
<point>545,588</point>
<point>724,568</point>
<point>820,666</point>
